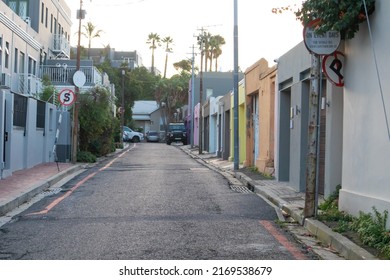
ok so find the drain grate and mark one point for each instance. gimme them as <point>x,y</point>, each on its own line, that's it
<point>240,189</point>
<point>49,192</point>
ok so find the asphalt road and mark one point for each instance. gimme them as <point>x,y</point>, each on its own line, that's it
<point>152,202</point>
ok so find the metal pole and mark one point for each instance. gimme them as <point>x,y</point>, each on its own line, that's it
<point>75,140</point>
<point>235,90</point>
<point>122,106</point>
<point>192,96</point>
<point>201,98</point>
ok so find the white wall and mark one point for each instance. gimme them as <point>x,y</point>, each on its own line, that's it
<point>366,145</point>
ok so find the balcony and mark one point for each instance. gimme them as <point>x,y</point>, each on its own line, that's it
<point>61,46</point>
<point>61,74</point>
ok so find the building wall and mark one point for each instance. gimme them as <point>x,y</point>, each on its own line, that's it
<point>292,105</point>
<point>28,145</point>
<point>366,144</point>
<point>241,124</point>
<point>260,84</point>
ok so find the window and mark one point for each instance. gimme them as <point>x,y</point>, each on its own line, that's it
<point>41,111</point>
<point>51,23</point>
<point>21,62</point>
<point>55,26</point>
<point>6,58</point>
<point>32,64</point>
<point>46,16</point>
<point>42,13</point>
<point>20,7</point>
<point>1,51</point>
<point>20,110</point>
<point>16,61</point>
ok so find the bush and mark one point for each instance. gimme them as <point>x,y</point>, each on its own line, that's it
<point>371,229</point>
<point>85,156</point>
<point>97,123</point>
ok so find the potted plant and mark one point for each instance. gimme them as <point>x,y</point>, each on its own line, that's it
<point>340,15</point>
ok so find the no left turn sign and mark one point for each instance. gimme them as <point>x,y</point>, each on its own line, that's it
<point>66,97</point>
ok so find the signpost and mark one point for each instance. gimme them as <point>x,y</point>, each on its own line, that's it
<point>66,97</point>
<point>318,45</point>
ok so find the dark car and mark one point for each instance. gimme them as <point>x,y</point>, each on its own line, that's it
<point>152,136</point>
<point>176,133</point>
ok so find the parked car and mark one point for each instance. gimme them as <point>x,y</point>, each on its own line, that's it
<point>176,133</point>
<point>152,136</point>
<point>130,135</point>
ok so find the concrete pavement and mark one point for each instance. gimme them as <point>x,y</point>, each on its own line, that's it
<point>23,185</point>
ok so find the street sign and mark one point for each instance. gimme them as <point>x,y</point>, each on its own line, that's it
<point>79,79</point>
<point>66,97</point>
<point>332,65</point>
<point>321,44</point>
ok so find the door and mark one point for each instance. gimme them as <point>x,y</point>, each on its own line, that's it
<point>256,127</point>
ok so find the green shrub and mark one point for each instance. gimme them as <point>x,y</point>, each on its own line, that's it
<point>84,156</point>
<point>372,231</point>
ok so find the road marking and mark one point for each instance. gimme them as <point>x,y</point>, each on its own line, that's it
<point>283,240</point>
<point>55,202</point>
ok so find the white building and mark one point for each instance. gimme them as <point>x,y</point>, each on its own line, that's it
<point>366,137</point>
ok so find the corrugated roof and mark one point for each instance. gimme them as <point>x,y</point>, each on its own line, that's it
<point>144,107</point>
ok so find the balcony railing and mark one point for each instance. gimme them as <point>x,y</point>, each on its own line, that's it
<point>62,74</point>
<point>61,46</point>
<point>29,84</point>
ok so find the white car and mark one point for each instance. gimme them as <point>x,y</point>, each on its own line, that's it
<point>130,135</point>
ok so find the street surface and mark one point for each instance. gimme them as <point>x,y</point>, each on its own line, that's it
<point>151,202</point>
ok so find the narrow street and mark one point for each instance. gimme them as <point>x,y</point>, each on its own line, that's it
<point>151,202</point>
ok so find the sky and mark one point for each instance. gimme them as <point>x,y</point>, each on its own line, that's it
<point>126,25</point>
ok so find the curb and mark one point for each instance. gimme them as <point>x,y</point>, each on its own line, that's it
<point>36,189</point>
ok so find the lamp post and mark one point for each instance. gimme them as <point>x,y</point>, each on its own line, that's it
<point>235,90</point>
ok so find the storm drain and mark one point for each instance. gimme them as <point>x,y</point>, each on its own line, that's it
<point>240,189</point>
<point>50,192</point>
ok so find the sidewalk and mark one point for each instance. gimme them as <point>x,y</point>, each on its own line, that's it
<point>25,184</point>
<point>289,201</point>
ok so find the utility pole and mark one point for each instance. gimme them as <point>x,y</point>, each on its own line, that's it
<point>192,95</point>
<point>311,165</point>
<point>235,90</point>
<point>123,72</point>
<point>201,38</point>
<point>75,139</point>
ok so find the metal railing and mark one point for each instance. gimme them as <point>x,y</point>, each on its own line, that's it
<point>62,74</point>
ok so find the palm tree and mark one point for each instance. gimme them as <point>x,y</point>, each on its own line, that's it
<point>91,33</point>
<point>154,42</point>
<point>204,46</point>
<point>167,40</point>
<point>216,42</point>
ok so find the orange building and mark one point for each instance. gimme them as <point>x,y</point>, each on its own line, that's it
<point>260,99</point>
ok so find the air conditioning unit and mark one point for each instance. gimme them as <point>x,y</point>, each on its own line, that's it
<point>5,80</point>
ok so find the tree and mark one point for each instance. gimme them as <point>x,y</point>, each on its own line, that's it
<point>91,33</point>
<point>215,49</point>
<point>172,94</point>
<point>154,42</point>
<point>97,124</point>
<point>184,65</point>
<point>167,41</point>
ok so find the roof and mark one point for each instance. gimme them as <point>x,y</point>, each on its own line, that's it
<point>144,107</point>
